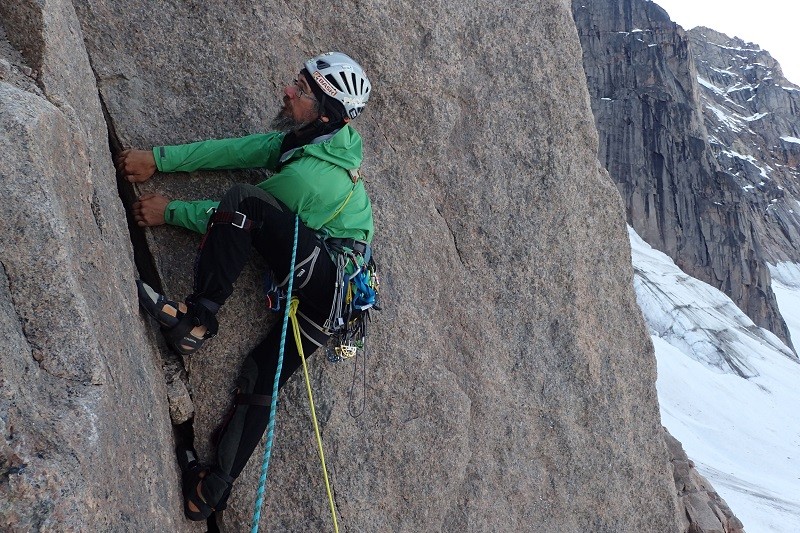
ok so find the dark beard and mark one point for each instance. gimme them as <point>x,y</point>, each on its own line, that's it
<point>285,123</point>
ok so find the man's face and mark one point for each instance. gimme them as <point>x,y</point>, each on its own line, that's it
<point>300,107</point>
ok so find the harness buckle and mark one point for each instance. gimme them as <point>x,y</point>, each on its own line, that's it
<point>236,224</point>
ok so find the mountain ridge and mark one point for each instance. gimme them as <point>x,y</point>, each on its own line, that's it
<point>646,98</point>
<point>752,114</point>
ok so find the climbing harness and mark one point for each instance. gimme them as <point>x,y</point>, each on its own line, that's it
<point>355,294</point>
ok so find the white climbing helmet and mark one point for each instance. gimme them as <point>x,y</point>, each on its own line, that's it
<point>340,77</point>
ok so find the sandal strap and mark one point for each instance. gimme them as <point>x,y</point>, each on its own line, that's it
<point>191,478</point>
<point>212,490</point>
<point>201,315</point>
<point>222,475</point>
<point>180,330</point>
<point>180,337</point>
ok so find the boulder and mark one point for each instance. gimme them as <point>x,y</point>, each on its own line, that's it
<point>704,510</point>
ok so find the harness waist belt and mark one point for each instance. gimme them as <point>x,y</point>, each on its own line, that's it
<point>359,247</point>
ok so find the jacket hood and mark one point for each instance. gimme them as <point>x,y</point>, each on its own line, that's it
<point>343,149</point>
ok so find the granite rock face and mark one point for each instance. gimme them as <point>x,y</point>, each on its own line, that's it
<point>752,114</point>
<point>646,101</point>
<point>511,380</point>
<point>704,510</point>
<point>85,433</point>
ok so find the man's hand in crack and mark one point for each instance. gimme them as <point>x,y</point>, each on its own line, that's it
<point>136,166</point>
<point>149,210</point>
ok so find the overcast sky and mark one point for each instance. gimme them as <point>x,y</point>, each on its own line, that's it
<point>771,24</point>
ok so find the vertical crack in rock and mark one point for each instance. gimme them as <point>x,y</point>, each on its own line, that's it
<point>452,234</point>
<point>145,263</point>
<point>388,142</point>
<point>146,267</point>
<point>97,212</point>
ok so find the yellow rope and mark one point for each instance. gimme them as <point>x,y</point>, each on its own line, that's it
<point>336,213</point>
<point>299,342</point>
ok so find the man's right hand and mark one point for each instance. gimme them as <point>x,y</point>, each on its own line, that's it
<point>136,166</point>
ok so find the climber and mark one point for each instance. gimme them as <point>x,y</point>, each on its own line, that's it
<point>315,155</point>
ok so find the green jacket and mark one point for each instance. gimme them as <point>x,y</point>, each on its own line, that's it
<point>313,182</point>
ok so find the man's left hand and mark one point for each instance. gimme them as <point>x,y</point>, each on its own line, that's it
<point>149,210</point>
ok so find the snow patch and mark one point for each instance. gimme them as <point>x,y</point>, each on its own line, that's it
<point>739,87</point>
<point>763,172</point>
<point>787,274</point>
<point>757,116</point>
<point>694,316</point>
<point>708,85</point>
<point>726,119</point>
<point>720,71</point>
<point>791,140</point>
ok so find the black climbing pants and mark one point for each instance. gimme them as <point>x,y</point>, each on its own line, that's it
<point>222,256</point>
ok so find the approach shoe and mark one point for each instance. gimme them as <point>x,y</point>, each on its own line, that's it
<point>165,312</point>
<point>184,332</point>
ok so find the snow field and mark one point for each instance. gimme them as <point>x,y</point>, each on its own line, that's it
<point>743,433</point>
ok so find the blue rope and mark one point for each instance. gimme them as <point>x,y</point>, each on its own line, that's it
<point>262,482</point>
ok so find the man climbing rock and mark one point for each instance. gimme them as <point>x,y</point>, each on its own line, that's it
<point>315,155</point>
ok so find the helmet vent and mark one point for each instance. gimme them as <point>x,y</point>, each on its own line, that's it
<point>333,80</point>
<point>321,64</point>
<point>355,85</point>
<point>346,83</point>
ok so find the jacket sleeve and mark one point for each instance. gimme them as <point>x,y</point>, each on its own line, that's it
<point>192,215</point>
<point>260,150</point>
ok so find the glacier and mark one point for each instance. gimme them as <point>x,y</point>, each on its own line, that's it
<point>727,389</point>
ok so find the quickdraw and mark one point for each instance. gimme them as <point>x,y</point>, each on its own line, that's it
<point>356,294</point>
